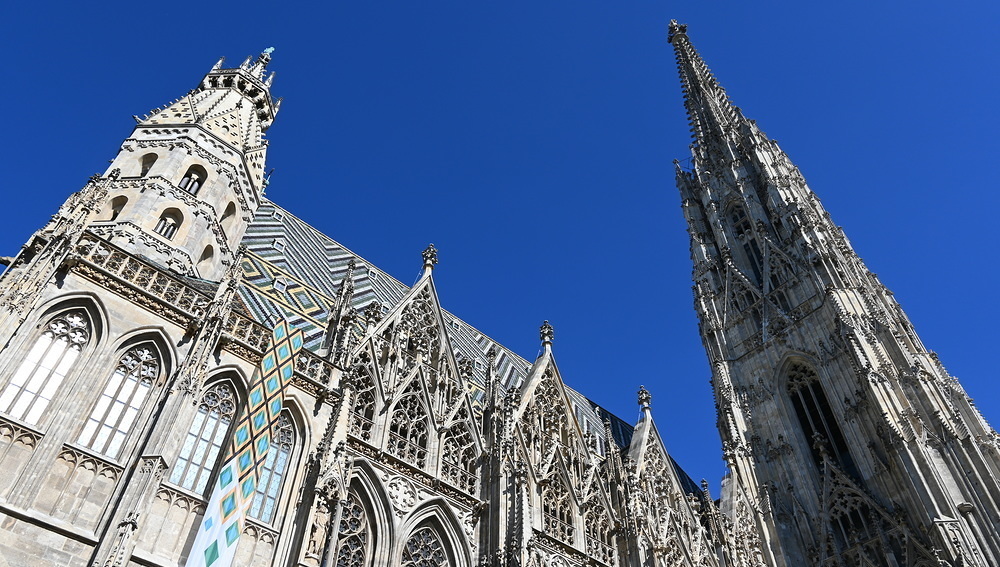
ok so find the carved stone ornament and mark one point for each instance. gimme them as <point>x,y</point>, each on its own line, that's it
<point>430,255</point>
<point>402,494</point>
<point>546,333</point>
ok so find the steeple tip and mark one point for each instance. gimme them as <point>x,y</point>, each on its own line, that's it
<point>675,29</point>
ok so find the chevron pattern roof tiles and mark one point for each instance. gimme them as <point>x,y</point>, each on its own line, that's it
<point>313,266</point>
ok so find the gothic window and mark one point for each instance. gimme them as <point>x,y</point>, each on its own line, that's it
<point>228,217</point>
<point>116,411</point>
<point>458,459</point>
<point>656,482</point>
<point>424,549</point>
<point>205,438</point>
<point>743,231</point>
<point>860,536</point>
<point>363,410</point>
<point>557,511</point>
<point>408,428</point>
<point>146,164</point>
<point>600,537</point>
<point>205,261</point>
<point>169,221</point>
<point>117,204</point>
<point>816,417</point>
<point>275,467</point>
<point>355,539</point>
<point>45,367</point>
<point>193,179</point>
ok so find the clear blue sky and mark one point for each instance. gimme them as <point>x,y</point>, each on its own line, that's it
<point>532,143</point>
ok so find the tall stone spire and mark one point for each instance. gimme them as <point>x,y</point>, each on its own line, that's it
<point>806,344</point>
<point>709,109</point>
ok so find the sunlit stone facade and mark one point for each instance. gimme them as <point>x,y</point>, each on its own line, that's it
<point>132,323</point>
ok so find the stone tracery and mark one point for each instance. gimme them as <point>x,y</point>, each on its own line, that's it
<point>424,549</point>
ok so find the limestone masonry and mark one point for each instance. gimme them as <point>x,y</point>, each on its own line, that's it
<point>132,323</point>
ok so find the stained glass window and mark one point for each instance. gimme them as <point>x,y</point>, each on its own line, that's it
<point>117,409</point>
<point>205,438</point>
<point>45,367</point>
<point>275,466</point>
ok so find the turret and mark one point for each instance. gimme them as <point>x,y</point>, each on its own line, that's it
<point>192,173</point>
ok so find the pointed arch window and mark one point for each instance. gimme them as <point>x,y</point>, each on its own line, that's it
<point>354,545</point>
<point>458,459</point>
<point>118,408</point>
<point>206,259</point>
<point>204,438</point>
<point>424,549</point>
<point>363,410</point>
<point>46,365</point>
<point>600,536</point>
<point>408,428</point>
<point>168,224</point>
<point>228,217</point>
<point>265,501</point>
<point>194,179</point>
<point>557,510</point>
<point>816,418</point>
<point>116,206</point>
<point>743,231</point>
<point>146,164</point>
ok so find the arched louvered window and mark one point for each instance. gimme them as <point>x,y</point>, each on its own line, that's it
<point>228,218</point>
<point>204,439</point>
<point>194,179</point>
<point>363,410</point>
<point>600,536</point>
<point>265,501</point>
<point>116,411</point>
<point>743,232</point>
<point>146,164</point>
<point>116,206</point>
<point>408,428</point>
<point>207,259</point>
<point>557,510</point>
<point>168,224</point>
<point>424,549</point>
<point>816,418</point>
<point>46,365</point>
<point>458,459</point>
<point>355,538</point>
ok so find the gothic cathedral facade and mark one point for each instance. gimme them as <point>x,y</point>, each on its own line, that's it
<point>133,325</point>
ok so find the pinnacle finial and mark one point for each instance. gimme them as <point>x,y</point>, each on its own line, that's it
<point>373,312</point>
<point>261,63</point>
<point>430,255</point>
<point>546,333</point>
<point>644,398</point>
<point>347,284</point>
<point>675,29</point>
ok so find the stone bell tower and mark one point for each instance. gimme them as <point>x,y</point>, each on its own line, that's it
<point>189,178</point>
<point>847,441</point>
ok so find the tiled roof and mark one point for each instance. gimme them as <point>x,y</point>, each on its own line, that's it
<point>313,266</point>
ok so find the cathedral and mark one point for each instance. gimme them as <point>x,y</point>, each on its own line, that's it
<point>192,375</point>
